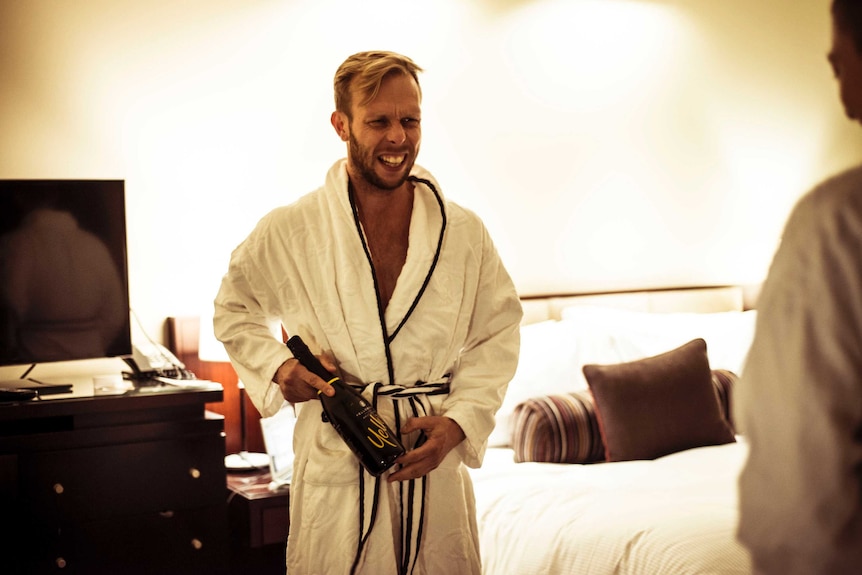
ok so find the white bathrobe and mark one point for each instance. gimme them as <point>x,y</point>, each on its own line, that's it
<point>304,267</point>
<point>799,401</point>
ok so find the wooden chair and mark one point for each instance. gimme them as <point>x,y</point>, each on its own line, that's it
<point>182,336</point>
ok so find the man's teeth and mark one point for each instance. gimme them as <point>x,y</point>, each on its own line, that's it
<point>392,160</point>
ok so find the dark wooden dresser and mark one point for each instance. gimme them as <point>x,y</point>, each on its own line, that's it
<point>131,483</point>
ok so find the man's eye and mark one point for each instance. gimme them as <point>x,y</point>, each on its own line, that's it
<point>377,122</point>
<point>410,121</point>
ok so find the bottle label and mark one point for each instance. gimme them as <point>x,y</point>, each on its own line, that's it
<point>378,434</point>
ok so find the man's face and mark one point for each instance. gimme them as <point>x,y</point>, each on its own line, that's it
<point>384,135</point>
<point>847,65</point>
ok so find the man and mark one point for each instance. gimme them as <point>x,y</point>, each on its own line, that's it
<point>800,399</point>
<point>404,294</point>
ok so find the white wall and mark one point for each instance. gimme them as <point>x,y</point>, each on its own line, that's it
<point>608,144</point>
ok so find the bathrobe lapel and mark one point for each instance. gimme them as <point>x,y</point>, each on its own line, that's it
<point>354,282</point>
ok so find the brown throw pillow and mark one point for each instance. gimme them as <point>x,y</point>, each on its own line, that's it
<point>658,405</point>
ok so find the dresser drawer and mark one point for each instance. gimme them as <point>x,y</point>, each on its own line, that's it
<point>126,479</point>
<point>181,542</point>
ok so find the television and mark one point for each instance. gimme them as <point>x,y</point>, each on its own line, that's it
<point>64,285</point>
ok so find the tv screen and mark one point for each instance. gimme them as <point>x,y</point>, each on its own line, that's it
<point>63,271</point>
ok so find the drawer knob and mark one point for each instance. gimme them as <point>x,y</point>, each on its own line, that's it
<point>197,543</point>
<point>195,473</point>
<point>61,563</point>
<point>58,488</point>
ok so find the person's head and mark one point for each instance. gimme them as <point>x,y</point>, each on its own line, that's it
<point>377,112</point>
<point>845,56</point>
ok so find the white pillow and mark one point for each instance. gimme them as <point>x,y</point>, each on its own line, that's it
<point>636,335</point>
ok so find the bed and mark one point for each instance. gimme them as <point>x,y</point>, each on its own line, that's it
<point>627,466</point>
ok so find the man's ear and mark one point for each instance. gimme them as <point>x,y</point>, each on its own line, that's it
<point>341,125</point>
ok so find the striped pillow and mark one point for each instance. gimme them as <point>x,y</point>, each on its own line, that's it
<point>557,429</point>
<point>563,428</point>
<point>723,381</point>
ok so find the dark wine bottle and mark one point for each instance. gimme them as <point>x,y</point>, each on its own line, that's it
<point>355,420</point>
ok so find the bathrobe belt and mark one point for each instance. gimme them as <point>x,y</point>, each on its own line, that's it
<point>407,402</point>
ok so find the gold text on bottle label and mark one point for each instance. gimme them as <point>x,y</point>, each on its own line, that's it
<point>379,433</point>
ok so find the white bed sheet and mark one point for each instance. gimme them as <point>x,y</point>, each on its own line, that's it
<point>675,515</point>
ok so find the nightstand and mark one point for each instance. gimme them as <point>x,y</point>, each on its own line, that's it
<point>259,523</point>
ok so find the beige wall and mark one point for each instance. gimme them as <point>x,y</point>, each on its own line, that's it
<point>607,143</point>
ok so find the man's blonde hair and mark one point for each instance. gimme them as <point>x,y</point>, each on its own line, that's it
<point>365,71</point>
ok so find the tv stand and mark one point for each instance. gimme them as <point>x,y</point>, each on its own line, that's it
<point>131,483</point>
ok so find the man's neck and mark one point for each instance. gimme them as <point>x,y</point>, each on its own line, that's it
<point>374,202</point>
<point>385,217</point>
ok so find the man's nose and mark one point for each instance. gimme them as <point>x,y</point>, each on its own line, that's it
<point>396,133</point>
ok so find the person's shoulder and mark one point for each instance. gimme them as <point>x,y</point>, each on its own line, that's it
<point>465,221</point>
<point>456,213</point>
<point>830,210</point>
<point>286,223</point>
<point>309,206</point>
<point>836,192</point>
<point>457,210</point>
<point>297,209</point>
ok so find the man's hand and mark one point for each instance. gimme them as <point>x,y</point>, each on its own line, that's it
<point>297,384</point>
<point>442,436</point>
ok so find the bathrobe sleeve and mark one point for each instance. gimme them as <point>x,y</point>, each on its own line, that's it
<point>246,315</point>
<point>800,399</point>
<point>489,355</point>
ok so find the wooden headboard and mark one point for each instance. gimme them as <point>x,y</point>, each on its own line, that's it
<point>692,300</point>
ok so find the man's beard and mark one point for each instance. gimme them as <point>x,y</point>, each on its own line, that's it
<point>364,160</point>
